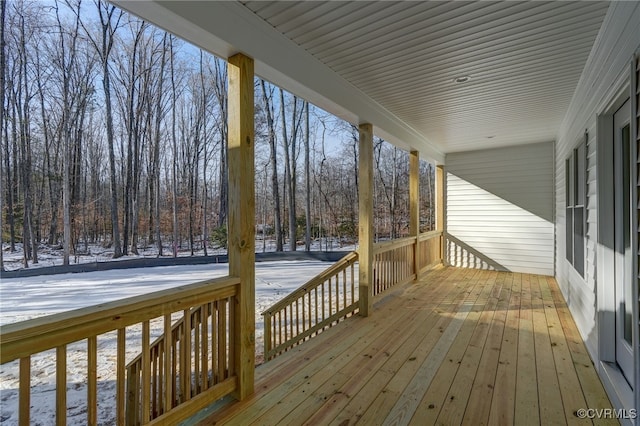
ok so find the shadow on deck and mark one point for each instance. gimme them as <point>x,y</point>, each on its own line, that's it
<point>461,346</point>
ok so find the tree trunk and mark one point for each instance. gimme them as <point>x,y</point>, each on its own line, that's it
<point>288,177</point>
<point>3,8</point>
<point>156,150</point>
<point>174,169</point>
<point>221,96</point>
<point>108,32</point>
<point>275,189</point>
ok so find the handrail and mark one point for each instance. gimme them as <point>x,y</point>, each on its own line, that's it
<point>316,305</point>
<point>306,312</point>
<point>393,244</point>
<point>337,267</point>
<point>24,339</point>
<point>40,334</point>
<point>428,235</point>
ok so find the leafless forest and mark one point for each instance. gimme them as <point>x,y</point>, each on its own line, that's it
<point>114,133</point>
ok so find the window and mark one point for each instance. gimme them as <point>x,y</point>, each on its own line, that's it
<point>575,168</point>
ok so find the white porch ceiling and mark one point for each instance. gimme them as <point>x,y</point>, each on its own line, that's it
<point>394,63</point>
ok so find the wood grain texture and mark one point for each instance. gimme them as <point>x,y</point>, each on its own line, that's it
<point>365,217</point>
<point>44,333</point>
<point>458,346</point>
<point>24,406</point>
<point>242,214</point>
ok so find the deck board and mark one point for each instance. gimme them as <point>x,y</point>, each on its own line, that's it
<point>458,346</point>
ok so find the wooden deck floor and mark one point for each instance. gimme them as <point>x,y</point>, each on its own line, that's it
<point>462,346</point>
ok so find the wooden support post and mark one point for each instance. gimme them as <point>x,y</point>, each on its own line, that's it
<point>241,235</point>
<point>440,209</point>
<point>414,207</point>
<point>365,214</point>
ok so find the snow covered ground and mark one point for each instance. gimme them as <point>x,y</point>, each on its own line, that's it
<point>25,298</point>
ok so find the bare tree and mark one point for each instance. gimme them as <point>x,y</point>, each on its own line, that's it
<point>3,9</point>
<point>109,23</point>
<point>174,168</point>
<point>275,189</point>
<point>220,88</point>
<point>154,188</point>
<point>290,163</point>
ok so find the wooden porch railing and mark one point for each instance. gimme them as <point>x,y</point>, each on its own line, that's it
<point>429,250</point>
<point>396,262</point>
<point>333,296</point>
<point>315,306</point>
<point>172,379</point>
<point>198,348</point>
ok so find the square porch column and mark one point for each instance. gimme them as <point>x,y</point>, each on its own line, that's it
<point>414,206</point>
<point>440,209</point>
<point>241,235</point>
<point>365,217</point>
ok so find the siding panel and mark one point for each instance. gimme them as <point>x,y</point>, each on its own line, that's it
<point>605,75</point>
<point>500,209</point>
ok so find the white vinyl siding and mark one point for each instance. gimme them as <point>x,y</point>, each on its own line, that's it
<point>603,80</point>
<point>500,209</point>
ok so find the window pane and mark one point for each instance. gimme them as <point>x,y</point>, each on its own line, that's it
<point>580,173</point>
<point>569,236</point>
<point>578,240</point>
<point>569,182</point>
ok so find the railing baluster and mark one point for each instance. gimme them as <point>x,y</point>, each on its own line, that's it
<point>92,388</point>
<point>344,288</point>
<point>322,292</point>
<point>160,379</point>
<point>204,345</point>
<point>120,377</point>
<point>215,341</point>
<point>230,337</point>
<point>133,392</point>
<point>146,370</point>
<point>337,293</point>
<point>279,326</point>
<point>315,308</point>
<point>168,378</point>
<point>304,316</point>
<point>222,342</point>
<point>353,282</point>
<point>194,359</point>
<point>330,298</point>
<point>297,316</point>
<point>186,356</point>
<point>61,385</point>
<point>310,310</point>
<point>24,407</point>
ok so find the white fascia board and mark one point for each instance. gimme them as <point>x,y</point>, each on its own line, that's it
<point>225,28</point>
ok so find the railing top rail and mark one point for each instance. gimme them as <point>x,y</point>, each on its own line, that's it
<point>390,245</point>
<point>314,282</point>
<point>429,235</point>
<point>40,334</point>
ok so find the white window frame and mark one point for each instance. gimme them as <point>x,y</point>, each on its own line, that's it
<point>576,206</point>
